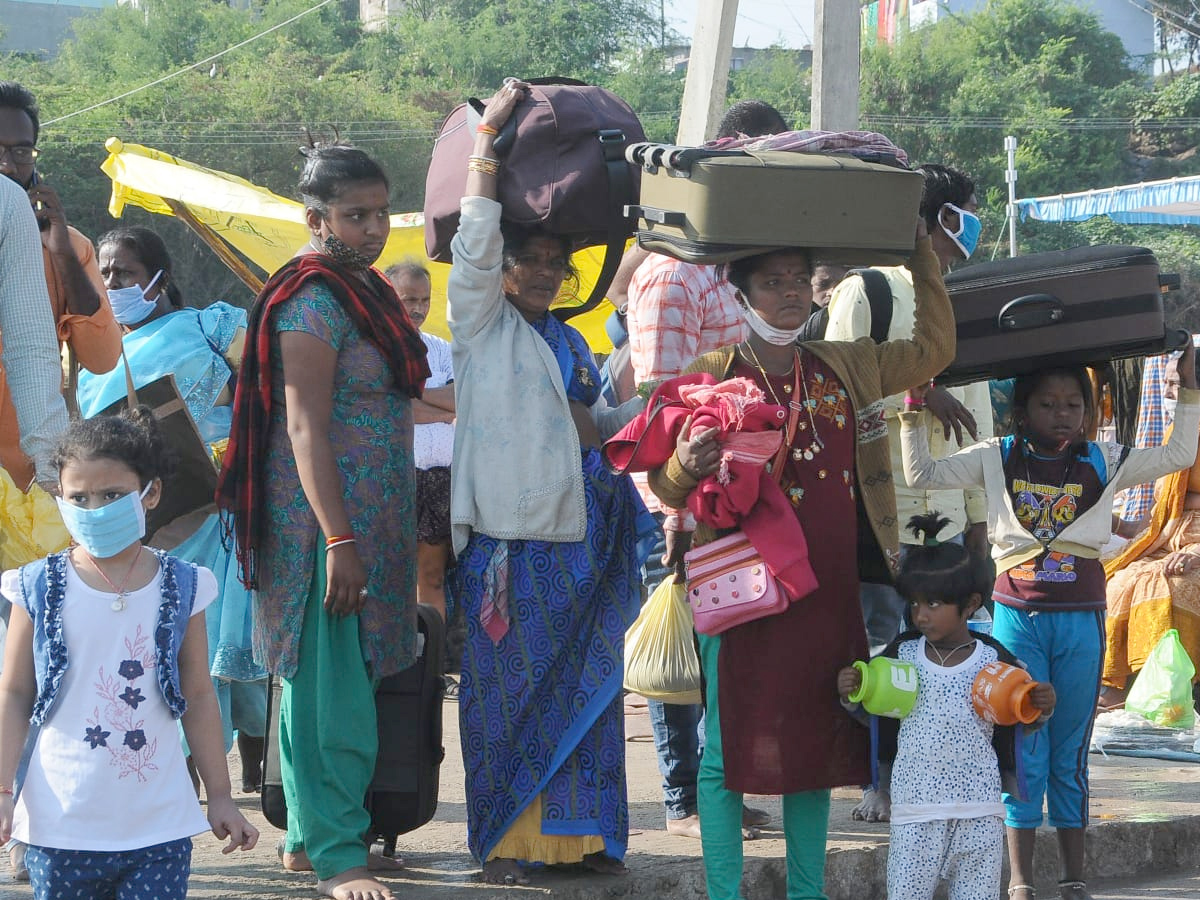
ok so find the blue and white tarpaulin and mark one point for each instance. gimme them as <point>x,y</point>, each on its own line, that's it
<point>1175,201</point>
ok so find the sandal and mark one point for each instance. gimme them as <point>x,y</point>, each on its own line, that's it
<point>16,858</point>
<point>1073,890</point>
<point>1030,893</point>
<point>450,690</point>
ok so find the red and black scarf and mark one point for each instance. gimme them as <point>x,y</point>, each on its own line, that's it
<point>376,312</point>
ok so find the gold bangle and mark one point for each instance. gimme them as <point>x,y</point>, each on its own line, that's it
<point>483,169</point>
<point>483,165</point>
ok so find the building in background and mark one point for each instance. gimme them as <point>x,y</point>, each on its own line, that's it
<point>677,57</point>
<point>37,27</point>
<point>884,20</point>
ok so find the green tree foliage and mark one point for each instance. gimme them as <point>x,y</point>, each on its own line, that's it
<point>248,113</point>
<point>1023,67</point>
<point>777,76</point>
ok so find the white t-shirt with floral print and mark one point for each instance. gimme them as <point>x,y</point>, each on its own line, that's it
<point>108,772</point>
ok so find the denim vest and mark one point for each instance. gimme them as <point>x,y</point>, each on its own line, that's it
<point>43,585</point>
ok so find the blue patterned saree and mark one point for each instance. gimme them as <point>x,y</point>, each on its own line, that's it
<point>540,707</point>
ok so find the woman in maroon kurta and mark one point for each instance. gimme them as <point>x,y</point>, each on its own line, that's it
<point>775,725</point>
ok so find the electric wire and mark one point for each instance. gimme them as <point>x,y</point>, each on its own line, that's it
<point>188,67</point>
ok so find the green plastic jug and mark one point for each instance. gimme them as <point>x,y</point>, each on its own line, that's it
<point>889,687</point>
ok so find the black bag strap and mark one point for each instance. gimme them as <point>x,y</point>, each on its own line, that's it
<point>879,295</point>
<point>620,188</point>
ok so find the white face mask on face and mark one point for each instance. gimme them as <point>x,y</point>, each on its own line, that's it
<point>129,304</point>
<point>769,333</point>
<point>1168,408</point>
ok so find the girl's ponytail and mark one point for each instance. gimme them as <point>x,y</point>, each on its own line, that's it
<point>944,571</point>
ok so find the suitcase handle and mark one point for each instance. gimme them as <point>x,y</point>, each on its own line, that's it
<point>657,216</point>
<point>1031,311</point>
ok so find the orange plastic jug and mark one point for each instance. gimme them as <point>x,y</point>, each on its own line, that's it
<point>1001,695</point>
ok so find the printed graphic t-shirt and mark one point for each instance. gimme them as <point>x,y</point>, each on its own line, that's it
<point>108,772</point>
<point>1047,495</point>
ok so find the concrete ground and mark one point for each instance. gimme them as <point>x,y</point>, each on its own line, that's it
<point>1146,826</point>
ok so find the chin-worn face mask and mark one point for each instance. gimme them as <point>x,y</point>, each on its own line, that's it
<point>769,333</point>
<point>969,229</point>
<point>341,252</point>
<point>129,304</point>
<point>106,530</point>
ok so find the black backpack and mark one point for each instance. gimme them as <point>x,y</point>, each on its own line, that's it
<point>879,295</point>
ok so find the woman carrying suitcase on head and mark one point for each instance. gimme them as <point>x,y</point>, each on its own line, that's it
<point>545,536</point>
<point>1050,498</point>
<point>774,723</point>
<point>319,481</point>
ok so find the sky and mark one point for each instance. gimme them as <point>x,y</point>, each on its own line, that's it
<point>760,23</point>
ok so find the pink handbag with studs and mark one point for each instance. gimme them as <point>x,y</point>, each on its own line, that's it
<point>728,584</point>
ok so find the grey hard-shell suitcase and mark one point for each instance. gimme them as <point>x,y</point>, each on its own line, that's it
<point>1083,306</point>
<point>714,206</point>
<point>403,793</point>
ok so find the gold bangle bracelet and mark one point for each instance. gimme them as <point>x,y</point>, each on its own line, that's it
<point>483,165</point>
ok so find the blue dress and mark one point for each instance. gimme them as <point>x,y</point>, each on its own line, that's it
<point>191,345</point>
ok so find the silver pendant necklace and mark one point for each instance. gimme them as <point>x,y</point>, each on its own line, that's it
<point>119,602</point>
<point>942,657</point>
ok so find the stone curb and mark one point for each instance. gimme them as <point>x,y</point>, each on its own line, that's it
<point>1115,850</point>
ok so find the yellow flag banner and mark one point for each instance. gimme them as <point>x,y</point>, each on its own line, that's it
<point>230,212</point>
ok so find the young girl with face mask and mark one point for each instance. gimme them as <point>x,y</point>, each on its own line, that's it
<point>1050,496</point>
<point>107,649</point>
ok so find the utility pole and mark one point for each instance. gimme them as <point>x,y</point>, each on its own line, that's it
<point>708,71</point>
<point>835,66</point>
<point>1010,176</point>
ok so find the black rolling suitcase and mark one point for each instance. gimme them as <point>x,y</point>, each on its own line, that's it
<point>408,705</point>
<point>1083,306</point>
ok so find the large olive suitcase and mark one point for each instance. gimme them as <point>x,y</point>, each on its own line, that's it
<point>713,206</point>
<point>1083,306</point>
<point>403,794</point>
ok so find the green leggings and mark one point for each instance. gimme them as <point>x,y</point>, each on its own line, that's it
<point>327,740</point>
<point>805,815</point>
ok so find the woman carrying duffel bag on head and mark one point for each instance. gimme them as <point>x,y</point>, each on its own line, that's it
<point>546,543</point>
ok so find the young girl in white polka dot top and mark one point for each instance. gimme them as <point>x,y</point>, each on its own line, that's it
<point>940,768</point>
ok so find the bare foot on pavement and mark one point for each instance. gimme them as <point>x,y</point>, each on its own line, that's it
<point>504,871</point>
<point>299,862</point>
<point>354,884</point>
<point>688,826</point>
<point>604,864</point>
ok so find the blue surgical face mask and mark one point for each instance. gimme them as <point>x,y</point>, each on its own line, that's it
<point>969,228</point>
<point>106,530</point>
<point>129,304</point>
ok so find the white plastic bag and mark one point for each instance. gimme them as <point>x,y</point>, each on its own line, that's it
<point>660,656</point>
